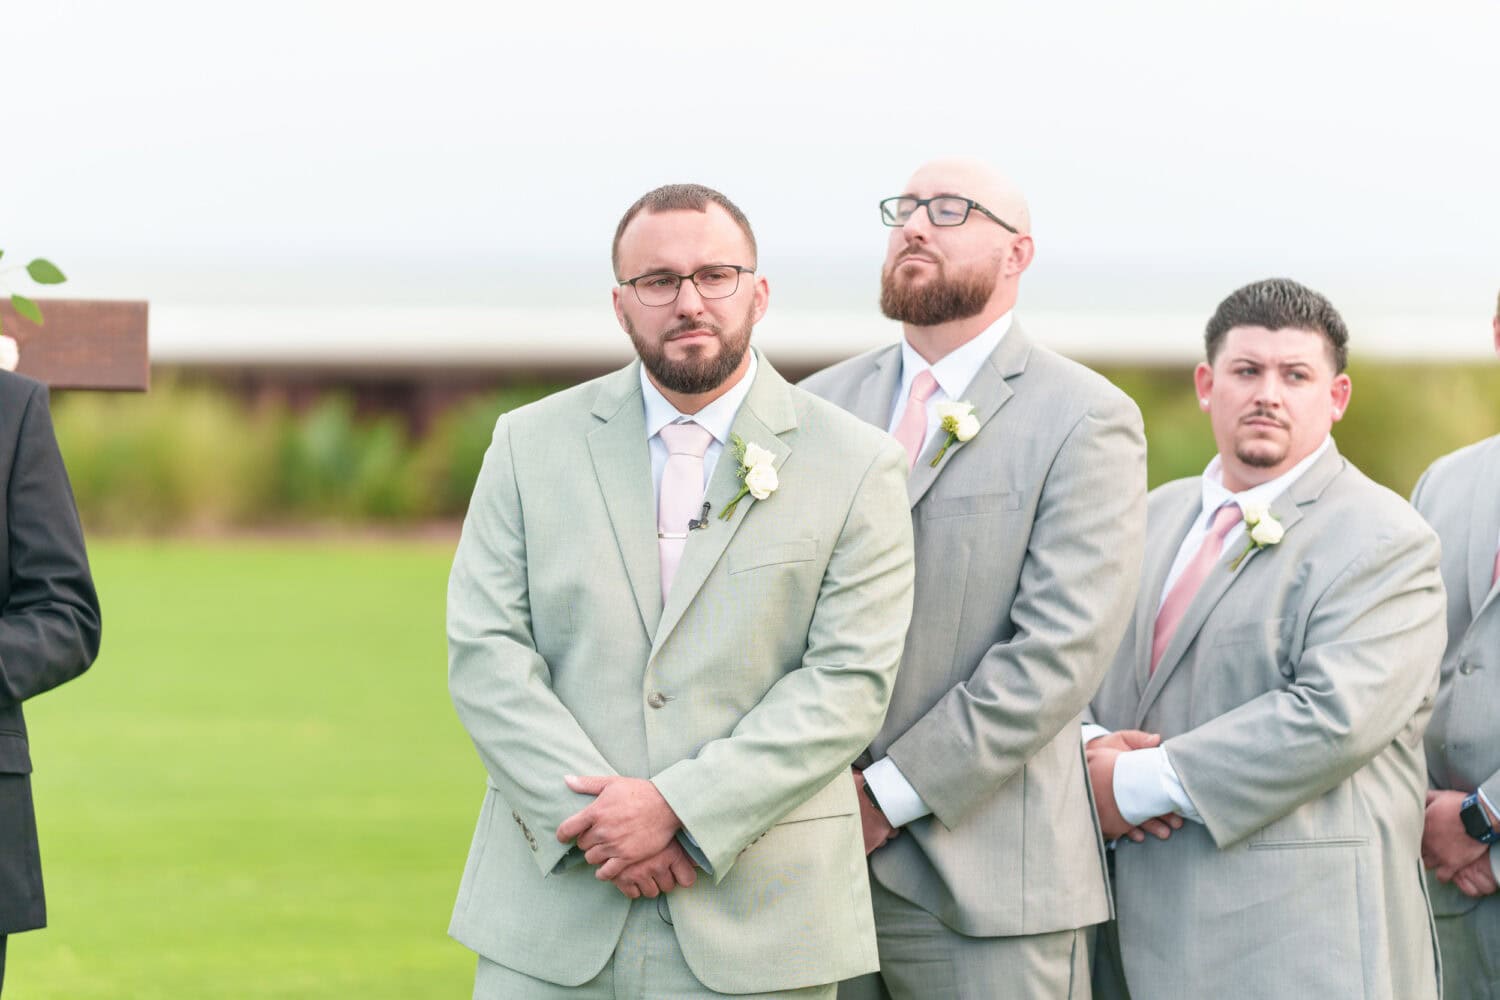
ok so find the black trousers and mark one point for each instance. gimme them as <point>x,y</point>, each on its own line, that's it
<point>2,963</point>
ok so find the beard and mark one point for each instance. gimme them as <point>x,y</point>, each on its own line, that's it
<point>698,372</point>
<point>1262,452</point>
<point>942,299</point>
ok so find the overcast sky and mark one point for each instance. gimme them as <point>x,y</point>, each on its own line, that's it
<point>482,152</point>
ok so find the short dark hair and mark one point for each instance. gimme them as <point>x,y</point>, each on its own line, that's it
<point>680,198</point>
<point>1275,304</point>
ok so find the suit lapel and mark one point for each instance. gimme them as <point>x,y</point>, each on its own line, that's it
<point>1484,531</point>
<point>876,393</point>
<point>1288,510</point>
<point>622,464</point>
<point>1153,578</point>
<point>989,391</point>
<point>766,414</point>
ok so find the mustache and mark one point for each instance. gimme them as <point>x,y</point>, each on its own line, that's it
<point>1264,414</point>
<point>690,325</point>
<point>913,250</point>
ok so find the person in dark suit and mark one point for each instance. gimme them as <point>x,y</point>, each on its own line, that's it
<point>49,625</point>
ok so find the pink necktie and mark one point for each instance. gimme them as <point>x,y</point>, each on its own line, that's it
<point>1181,594</point>
<point>1495,576</point>
<point>913,426</point>
<point>681,498</point>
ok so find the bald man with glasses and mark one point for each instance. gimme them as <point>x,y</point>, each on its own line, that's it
<point>1027,493</point>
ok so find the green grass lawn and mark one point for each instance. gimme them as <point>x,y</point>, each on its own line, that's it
<point>260,790</point>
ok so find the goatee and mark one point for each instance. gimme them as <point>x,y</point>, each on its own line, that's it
<point>939,300</point>
<point>698,372</point>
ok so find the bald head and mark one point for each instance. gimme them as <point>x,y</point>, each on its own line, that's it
<point>977,181</point>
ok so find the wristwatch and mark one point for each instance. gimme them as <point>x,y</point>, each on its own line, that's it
<point>870,794</point>
<point>1476,820</point>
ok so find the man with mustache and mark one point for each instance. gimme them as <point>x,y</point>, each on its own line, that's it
<point>674,619</point>
<point>1027,497</point>
<point>1458,497</point>
<point>1284,649</point>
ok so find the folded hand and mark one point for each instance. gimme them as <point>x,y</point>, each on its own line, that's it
<point>627,823</point>
<point>876,828</point>
<point>658,874</point>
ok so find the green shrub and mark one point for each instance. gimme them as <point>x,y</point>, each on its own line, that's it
<point>183,458</point>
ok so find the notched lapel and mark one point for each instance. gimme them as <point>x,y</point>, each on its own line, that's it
<point>989,391</point>
<point>876,393</point>
<point>622,464</point>
<point>766,414</point>
<point>1153,578</point>
<point>1484,530</point>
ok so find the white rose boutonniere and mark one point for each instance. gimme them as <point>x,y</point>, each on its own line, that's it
<point>1261,530</point>
<point>757,474</point>
<point>959,422</point>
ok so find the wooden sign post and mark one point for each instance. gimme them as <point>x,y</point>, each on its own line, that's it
<point>83,344</point>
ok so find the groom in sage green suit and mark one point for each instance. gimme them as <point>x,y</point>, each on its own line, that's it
<point>674,619</point>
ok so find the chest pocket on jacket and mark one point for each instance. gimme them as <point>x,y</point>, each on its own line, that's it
<point>1271,636</point>
<point>792,551</point>
<point>967,506</point>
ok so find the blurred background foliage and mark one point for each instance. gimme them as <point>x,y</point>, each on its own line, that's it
<point>196,458</point>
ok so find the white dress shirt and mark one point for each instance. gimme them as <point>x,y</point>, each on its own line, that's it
<point>717,418</point>
<point>954,372</point>
<point>1145,783</point>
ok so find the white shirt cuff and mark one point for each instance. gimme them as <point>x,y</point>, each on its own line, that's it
<point>1495,861</point>
<point>1146,785</point>
<point>898,800</point>
<point>1091,732</point>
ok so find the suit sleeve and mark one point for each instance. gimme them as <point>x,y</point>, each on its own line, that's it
<point>49,627</point>
<point>814,721</point>
<point>501,686</point>
<point>1373,644</point>
<point>1077,588</point>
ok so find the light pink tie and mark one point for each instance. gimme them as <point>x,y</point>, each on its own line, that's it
<point>681,498</point>
<point>913,426</point>
<point>1181,594</point>
<point>1495,576</point>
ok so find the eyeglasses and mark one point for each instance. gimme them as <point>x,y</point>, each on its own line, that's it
<point>714,281</point>
<point>944,210</point>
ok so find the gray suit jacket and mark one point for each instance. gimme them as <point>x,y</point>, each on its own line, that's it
<point>1293,697</point>
<point>1460,497</point>
<point>1029,541</point>
<point>745,697</point>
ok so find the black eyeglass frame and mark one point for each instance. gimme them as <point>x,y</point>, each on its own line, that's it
<point>969,204</point>
<point>739,271</point>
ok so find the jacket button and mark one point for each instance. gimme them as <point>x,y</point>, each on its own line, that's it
<point>1466,668</point>
<point>656,699</point>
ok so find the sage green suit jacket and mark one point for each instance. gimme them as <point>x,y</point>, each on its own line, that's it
<point>1460,497</point>
<point>1029,541</point>
<point>744,698</point>
<point>1292,697</point>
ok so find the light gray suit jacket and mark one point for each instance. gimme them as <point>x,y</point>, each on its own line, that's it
<point>744,698</point>
<point>1460,497</point>
<point>1029,541</point>
<point>1293,697</point>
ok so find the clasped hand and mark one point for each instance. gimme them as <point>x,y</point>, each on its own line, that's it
<point>1448,849</point>
<point>628,832</point>
<point>1100,755</point>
